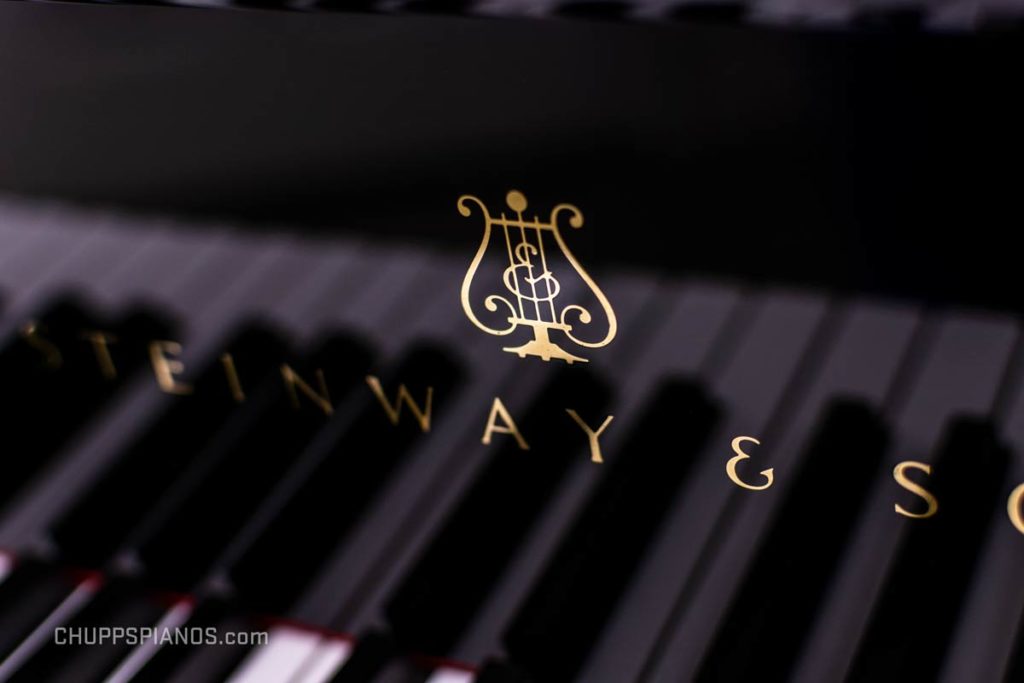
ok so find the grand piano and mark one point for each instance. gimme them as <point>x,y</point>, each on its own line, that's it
<point>511,341</point>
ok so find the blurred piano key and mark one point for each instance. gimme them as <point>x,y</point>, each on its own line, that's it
<point>769,617</point>
<point>200,662</point>
<point>269,284</point>
<point>937,556</point>
<point>528,556</point>
<point>275,661</point>
<point>188,291</point>
<point>180,536</point>
<point>989,639</point>
<point>637,328</point>
<point>449,675</point>
<point>330,655</point>
<point>62,370</point>
<point>415,499</point>
<point>432,606</point>
<point>855,367</point>
<point>570,603</point>
<point>95,525</point>
<point>960,364</point>
<point>749,375</point>
<point>319,514</point>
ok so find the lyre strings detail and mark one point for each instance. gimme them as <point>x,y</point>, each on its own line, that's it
<point>532,285</point>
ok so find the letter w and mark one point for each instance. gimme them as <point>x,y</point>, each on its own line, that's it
<point>394,409</point>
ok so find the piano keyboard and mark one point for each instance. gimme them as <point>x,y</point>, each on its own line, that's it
<point>372,543</point>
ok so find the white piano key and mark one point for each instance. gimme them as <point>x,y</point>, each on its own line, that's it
<point>167,255</point>
<point>280,659</point>
<point>449,675</point>
<point>73,256</point>
<point>19,229</point>
<point>328,658</point>
<point>49,234</point>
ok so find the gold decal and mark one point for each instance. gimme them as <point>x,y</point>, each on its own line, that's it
<point>234,383</point>
<point>51,354</point>
<point>165,366</point>
<point>1013,508</point>
<point>730,467</point>
<point>530,281</point>
<point>899,474</point>
<point>293,381</point>
<point>100,342</point>
<point>33,342</point>
<point>394,412</point>
<point>592,435</point>
<point>498,410</point>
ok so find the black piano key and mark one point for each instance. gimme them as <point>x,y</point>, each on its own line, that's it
<point>570,603</point>
<point>32,359</point>
<point>119,604</point>
<point>436,599</point>
<point>915,616</point>
<point>373,653</point>
<point>206,662</point>
<point>497,671</point>
<point>57,379</point>
<point>319,515</point>
<point>396,670</point>
<point>775,606</point>
<point>404,670</point>
<point>248,456</point>
<point>95,525</point>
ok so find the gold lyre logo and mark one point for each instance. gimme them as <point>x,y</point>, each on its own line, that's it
<point>531,281</point>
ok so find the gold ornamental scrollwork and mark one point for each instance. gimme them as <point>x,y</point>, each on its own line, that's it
<point>531,284</point>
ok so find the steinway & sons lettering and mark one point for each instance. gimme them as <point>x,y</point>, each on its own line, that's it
<point>900,474</point>
<point>168,370</point>
<point>313,390</point>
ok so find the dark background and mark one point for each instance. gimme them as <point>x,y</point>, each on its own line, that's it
<point>856,159</point>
